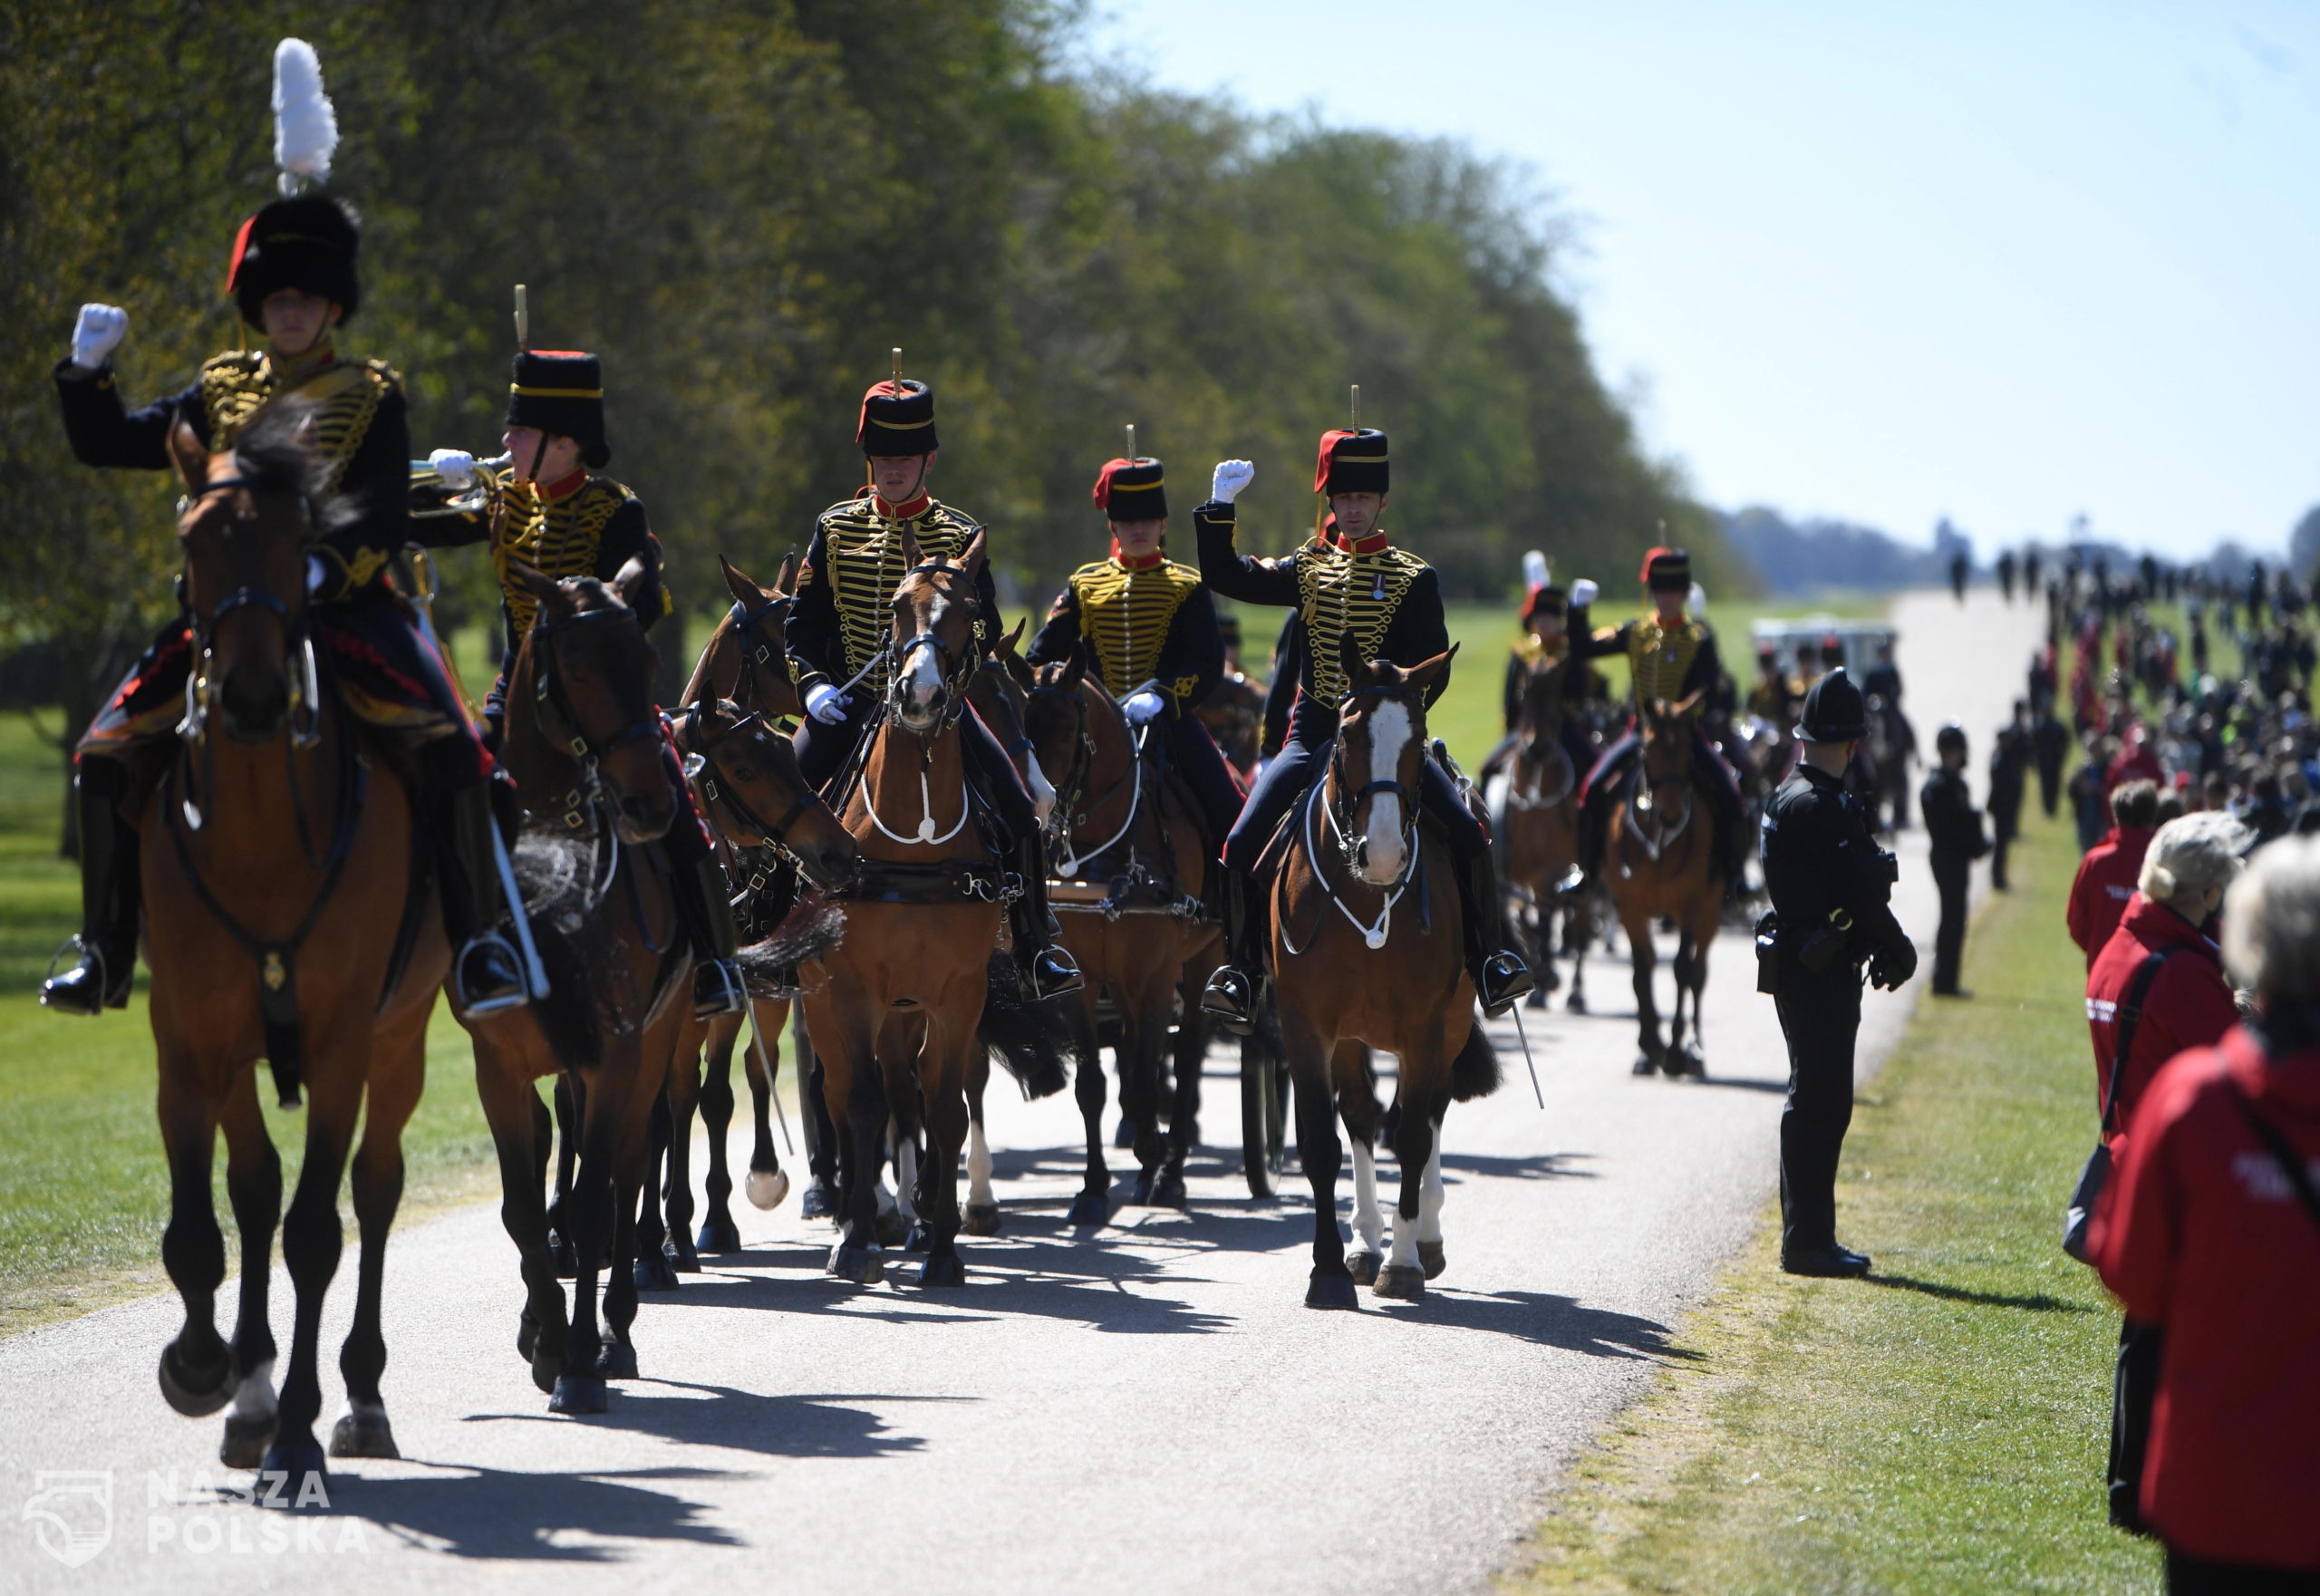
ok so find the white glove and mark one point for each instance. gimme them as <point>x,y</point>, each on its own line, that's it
<point>1141,707</point>
<point>99,333</point>
<point>1232,476</point>
<point>1583,592</point>
<point>826,704</point>
<point>317,574</point>
<point>455,466</point>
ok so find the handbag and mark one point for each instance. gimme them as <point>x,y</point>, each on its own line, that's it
<point>2080,1213</point>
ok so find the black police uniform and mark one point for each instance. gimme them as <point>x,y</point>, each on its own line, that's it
<point>1954,826</point>
<point>1830,888</point>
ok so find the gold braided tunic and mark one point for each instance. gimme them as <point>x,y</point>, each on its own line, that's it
<point>843,614</point>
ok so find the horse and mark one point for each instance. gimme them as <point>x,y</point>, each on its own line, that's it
<point>278,827</point>
<point>1533,801</point>
<point>585,746</point>
<point>1661,865</point>
<point>765,816</point>
<point>894,1011</point>
<point>1134,863</point>
<point>1365,949</point>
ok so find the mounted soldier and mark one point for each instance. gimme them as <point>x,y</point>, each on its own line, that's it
<point>1353,592</point>
<point>553,511</point>
<point>838,630</point>
<point>1546,608</point>
<point>293,278</point>
<point>1148,624</point>
<point>1673,662</point>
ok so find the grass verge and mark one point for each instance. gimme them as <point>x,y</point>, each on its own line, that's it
<point>1941,1426</point>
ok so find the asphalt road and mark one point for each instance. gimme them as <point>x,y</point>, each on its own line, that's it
<point>1150,1410</point>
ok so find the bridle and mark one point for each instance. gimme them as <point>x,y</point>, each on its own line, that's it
<point>758,653</point>
<point>1351,847</point>
<point>1067,815</point>
<point>953,669</point>
<point>754,830</point>
<point>305,678</point>
<point>1651,835</point>
<point>559,722</point>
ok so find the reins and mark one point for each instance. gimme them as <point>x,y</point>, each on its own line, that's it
<point>1373,935</point>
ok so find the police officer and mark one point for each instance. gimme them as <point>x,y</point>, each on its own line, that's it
<point>1831,886</point>
<point>1954,826</point>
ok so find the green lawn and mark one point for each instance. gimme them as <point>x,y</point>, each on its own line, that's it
<point>1940,1426</point>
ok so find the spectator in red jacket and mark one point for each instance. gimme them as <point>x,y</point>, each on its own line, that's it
<point>2206,1233</point>
<point>2137,761</point>
<point>2186,1002</point>
<point>2108,873</point>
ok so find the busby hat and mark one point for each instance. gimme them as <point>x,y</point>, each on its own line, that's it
<point>897,418</point>
<point>561,392</point>
<point>1540,593</point>
<point>1131,490</point>
<point>307,243</point>
<point>1352,461</point>
<point>1668,570</point>
<point>1832,650</point>
<point>1834,712</point>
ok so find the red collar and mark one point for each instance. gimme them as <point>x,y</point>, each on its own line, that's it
<point>564,487</point>
<point>900,512</point>
<point>1136,562</point>
<point>1372,544</point>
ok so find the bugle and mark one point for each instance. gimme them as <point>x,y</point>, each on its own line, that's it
<point>427,483</point>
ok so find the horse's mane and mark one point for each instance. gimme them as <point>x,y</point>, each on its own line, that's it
<point>274,453</point>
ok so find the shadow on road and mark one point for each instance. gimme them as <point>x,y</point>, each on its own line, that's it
<point>1529,1166</point>
<point>1547,1319</point>
<point>499,1514</point>
<point>791,1425</point>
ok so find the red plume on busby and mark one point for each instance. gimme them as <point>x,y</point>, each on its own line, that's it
<point>1131,490</point>
<point>897,418</point>
<point>1538,591</point>
<point>1666,570</point>
<point>1352,460</point>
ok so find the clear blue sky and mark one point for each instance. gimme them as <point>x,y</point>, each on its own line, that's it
<point>2001,263</point>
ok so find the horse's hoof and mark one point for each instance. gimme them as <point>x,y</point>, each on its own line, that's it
<point>862,1265</point>
<point>1538,998</point>
<point>766,1188</point>
<point>1575,1004</point>
<point>891,1228</point>
<point>298,1462</point>
<point>1364,1266</point>
<point>618,1362</point>
<point>246,1441</point>
<point>921,1238</point>
<point>983,1219</point>
<point>653,1273</point>
<point>1400,1280</point>
<point>1430,1257</point>
<point>196,1390</point>
<point>1091,1209</point>
<point>1331,1291</point>
<point>682,1254</point>
<point>363,1432</point>
<point>578,1393</point>
<point>547,1370</point>
<point>1125,1136</point>
<point>942,1269</point>
<point>718,1233</point>
<point>1644,1064</point>
<point>1169,1193</point>
<point>568,1260</point>
<point>1687,1061</point>
<point>1143,1186</point>
<point>815,1204</point>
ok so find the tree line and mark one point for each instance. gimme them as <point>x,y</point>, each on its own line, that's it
<point>742,204</point>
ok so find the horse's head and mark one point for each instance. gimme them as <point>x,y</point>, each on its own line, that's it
<point>1055,711</point>
<point>753,793</point>
<point>1541,710</point>
<point>934,637</point>
<point>1666,740</point>
<point>747,651</point>
<point>247,517</point>
<point>1380,756</point>
<point>999,689</point>
<point>591,668</point>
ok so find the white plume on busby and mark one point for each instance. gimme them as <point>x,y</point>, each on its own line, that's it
<point>1698,599</point>
<point>1534,569</point>
<point>306,129</point>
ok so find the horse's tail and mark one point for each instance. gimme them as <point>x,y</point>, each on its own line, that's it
<point>1029,1040</point>
<point>814,927</point>
<point>1474,1072</point>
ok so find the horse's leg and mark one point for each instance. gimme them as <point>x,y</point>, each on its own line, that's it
<point>196,1368</point>
<point>512,1108</point>
<point>816,1125</point>
<point>945,1073</point>
<point>632,1194</point>
<point>682,1094</point>
<point>1683,990</point>
<point>559,1210</point>
<point>398,1072</point>
<point>719,1233</point>
<point>1702,939</point>
<point>1181,1054</point>
<point>1369,1223</point>
<point>1645,960</point>
<point>902,1148</point>
<point>1093,1206</point>
<point>1405,1274</point>
<point>1331,1286</point>
<point>766,1184</point>
<point>856,1256</point>
<point>602,1102</point>
<point>652,1269</point>
<point>1579,936</point>
<point>1139,1064</point>
<point>983,1205</point>
<point>313,1237</point>
<point>1430,1255</point>
<point>253,1184</point>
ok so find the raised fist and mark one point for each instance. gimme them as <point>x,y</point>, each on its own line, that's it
<point>97,334</point>
<point>1232,476</point>
<point>1582,593</point>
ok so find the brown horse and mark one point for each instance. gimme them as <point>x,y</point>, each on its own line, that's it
<point>271,854</point>
<point>894,1011</point>
<point>1659,862</point>
<point>584,745</point>
<point>1365,949</point>
<point>765,816</point>
<point>1535,803</point>
<point>1135,867</point>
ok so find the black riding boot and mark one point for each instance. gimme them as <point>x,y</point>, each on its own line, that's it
<point>1501,975</point>
<point>1047,967</point>
<point>1232,992</point>
<point>1590,862</point>
<point>486,974</point>
<point>707,920</point>
<point>107,946</point>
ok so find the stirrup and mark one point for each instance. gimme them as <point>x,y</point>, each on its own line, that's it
<point>718,988</point>
<point>1232,997</point>
<point>1503,982</point>
<point>510,993</point>
<point>1573,879</point>
<point>1051,973</point>
<point>67,995</point>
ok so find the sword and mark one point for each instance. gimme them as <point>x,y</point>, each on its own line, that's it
<point>535,972</point>
<point>1527,1064</point>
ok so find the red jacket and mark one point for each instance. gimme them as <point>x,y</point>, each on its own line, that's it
<point>2198,1233</point>
<point>2189,1004</point>
<point>2137,759</point>
<point>2106,880</point>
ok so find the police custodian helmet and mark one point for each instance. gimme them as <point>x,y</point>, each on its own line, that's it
<point>1833,710</point>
